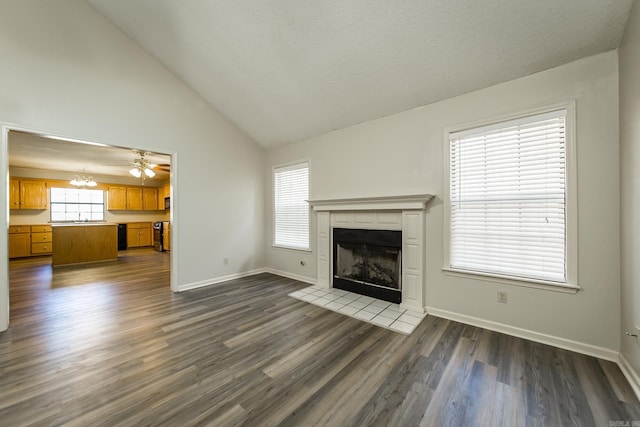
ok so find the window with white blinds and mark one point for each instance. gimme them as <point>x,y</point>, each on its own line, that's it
<point>508,196</point>
<point>291,188</point>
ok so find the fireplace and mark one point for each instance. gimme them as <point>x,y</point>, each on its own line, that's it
<point>368,262</point>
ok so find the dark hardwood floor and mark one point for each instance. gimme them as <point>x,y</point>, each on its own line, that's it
<point>110,345</point>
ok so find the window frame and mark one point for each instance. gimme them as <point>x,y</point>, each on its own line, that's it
<point>51,203</point>
<point>571,205</point>
<point>275,169</point>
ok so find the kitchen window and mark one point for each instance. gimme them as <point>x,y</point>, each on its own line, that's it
<point>291,210</point>
<point>511,199</point>
<point>73,204</point>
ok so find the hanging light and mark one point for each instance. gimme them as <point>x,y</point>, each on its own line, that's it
<point>83,181</point>
<point>142,168</point>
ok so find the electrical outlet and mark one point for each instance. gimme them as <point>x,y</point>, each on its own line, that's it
<point>502,297</point>
<point>225,261</point>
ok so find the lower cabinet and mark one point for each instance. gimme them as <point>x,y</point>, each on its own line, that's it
<point>139,234</point>
<point>41,239</point>
<point>19,242</point>
<point>29,240</point>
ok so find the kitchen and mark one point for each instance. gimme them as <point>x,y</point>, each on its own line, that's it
<point>83,203</point>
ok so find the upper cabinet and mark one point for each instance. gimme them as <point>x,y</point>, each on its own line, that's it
<point>27,194</point>
<point>132,198</point>
<point>117,198</point>
<point>150,199</point>
<point>163,192</point>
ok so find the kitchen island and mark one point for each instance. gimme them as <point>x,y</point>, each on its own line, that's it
<point>76,243</point>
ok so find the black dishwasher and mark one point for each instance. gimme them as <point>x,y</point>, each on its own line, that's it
<point>122,237</point>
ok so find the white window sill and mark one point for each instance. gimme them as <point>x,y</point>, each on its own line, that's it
<point>507,280</point>
<point>291,248</point>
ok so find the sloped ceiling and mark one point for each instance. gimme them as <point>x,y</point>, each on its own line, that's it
<point>287,70</point>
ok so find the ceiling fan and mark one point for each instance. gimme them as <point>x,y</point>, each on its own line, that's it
<point>143,168</point>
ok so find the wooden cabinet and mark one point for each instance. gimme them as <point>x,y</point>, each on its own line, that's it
<point>41,239</point>
<point>27,194</point>
<point>30,240</point>
<point>134,198</point>
<point>14,194</point>
<point>138,234</point>
<point>150,199</point>
<point>163,192</point>
<point>19,241</point>
<point>166,235</point>
<point>117,198</point>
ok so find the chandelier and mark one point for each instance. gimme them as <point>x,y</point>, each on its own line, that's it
<point>83,181</point>
<point>142,167</point>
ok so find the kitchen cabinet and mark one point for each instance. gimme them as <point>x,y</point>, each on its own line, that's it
<point>117,198</point>
<point>138,234</point>
<point>19,241</point>
<point>166,235</point>
<point>30,240</point>
<point>150,199</point>
<point>41,239</point>
<point>134,198</point>
<point>14,194</point>
<point>27,194</point>
<point>163,192</point>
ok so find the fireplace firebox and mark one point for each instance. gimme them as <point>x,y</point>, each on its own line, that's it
<point>368,262</point>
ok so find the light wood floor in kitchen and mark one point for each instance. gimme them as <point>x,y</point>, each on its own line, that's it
<point>111,345</point>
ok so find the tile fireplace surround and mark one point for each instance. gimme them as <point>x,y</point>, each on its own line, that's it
<point>404,213</point>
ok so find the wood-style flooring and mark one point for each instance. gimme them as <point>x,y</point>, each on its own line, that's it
<point>110,345</point>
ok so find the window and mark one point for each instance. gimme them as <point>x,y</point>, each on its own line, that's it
<point>508,199</point>
<point>73,204</point>
<point>291,188</point>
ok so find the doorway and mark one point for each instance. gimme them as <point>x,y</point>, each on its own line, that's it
<point>41,156</point>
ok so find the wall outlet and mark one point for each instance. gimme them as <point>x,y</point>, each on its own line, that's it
<point>225,261</point>
<point>502,297</point>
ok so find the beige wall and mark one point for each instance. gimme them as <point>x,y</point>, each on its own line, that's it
<point>630,188</point>
<point>403,154</point>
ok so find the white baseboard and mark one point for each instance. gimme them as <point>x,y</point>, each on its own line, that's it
<point>220,279</point>
<point>578,347</point>
<point>288,275</point>
<point>630,374</point>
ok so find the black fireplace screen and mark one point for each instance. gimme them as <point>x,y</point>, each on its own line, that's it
<point>367,263</point>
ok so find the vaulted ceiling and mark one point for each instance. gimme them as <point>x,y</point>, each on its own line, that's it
<point>286,70</point>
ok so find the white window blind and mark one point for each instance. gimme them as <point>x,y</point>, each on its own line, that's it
<point>291,185</point>
<point>508,198</point>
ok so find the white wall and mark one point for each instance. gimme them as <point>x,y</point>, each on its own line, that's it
<point>629,57</point>
<point>68,71</point>
<point>402,154</point>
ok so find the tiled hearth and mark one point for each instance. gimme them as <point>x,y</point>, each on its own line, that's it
<point>377,312</point>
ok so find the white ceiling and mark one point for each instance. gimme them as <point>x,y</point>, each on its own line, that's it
<point>286,70</point>
<point>27,150</point>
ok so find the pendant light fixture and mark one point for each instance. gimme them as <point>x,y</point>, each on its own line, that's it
<point>83,181</point>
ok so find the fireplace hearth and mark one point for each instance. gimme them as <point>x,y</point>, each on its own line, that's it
<point>368,262</point>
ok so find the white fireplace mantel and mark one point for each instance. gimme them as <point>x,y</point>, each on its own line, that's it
<point>406,213</point>
<point>398,203</point>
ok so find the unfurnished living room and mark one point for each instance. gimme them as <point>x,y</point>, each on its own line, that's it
<point>320,213</point>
